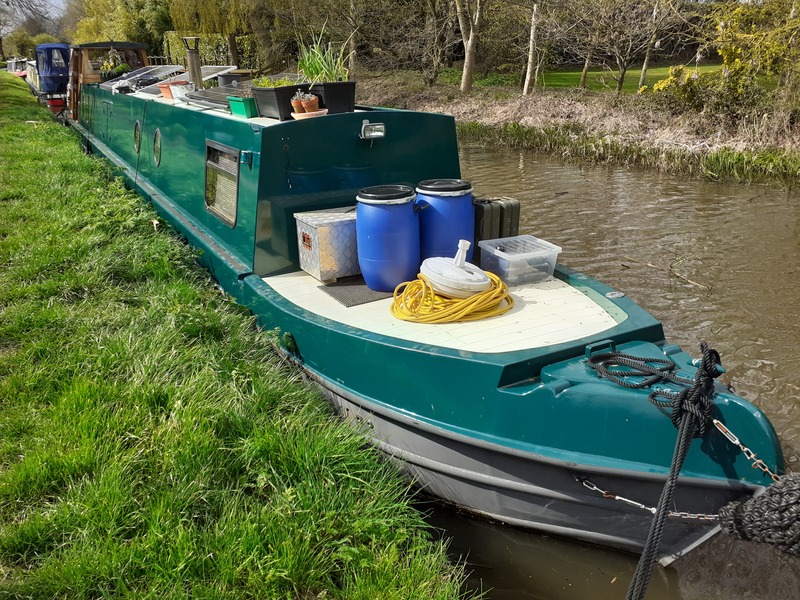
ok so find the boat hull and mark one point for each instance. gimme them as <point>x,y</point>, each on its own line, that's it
<point>535,492</point>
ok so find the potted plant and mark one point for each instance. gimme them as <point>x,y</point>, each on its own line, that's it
<point>273,94</point>
<point>297,102</point>
<point>310,102</point>
<point>243,106</point>
<point>113,66</point>
<point>326,68</point>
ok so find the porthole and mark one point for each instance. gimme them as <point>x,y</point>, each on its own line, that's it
<point>157,147</point>
<point>137,137</point>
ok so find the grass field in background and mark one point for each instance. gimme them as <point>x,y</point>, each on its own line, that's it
<point>569,77</point>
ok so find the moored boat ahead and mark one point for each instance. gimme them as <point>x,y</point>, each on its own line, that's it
<point>48,75</point>
<point>511,417</point>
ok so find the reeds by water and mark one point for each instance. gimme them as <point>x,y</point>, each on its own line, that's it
<point>572,143</point>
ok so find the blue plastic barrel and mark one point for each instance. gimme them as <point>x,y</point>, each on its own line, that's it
<point>446,215</point>
<point>387,232</point>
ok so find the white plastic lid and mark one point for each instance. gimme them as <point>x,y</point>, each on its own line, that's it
<point>451,280</point>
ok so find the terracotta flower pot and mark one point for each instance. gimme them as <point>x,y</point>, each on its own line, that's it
<point>311,105</point>
<point>297,106</point>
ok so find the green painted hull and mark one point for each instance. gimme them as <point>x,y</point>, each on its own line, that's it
<point>508,434</point>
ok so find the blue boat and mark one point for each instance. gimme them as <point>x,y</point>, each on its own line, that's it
<point>511,417</point>
<point>48,73</point>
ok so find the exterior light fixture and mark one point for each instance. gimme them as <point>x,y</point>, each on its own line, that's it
<point>372,131</point>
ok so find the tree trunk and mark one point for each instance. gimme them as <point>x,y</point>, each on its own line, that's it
<point>468,73</point>
<point>651,43</point>
<point>586,64</point>
<point>233,48</point>
<point>469,20</point>
<point>647,54</point>
<point>531,55</point>
<point>351,59</point>
<point>621,79</point>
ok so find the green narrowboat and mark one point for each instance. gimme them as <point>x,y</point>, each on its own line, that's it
<point>508,417</point>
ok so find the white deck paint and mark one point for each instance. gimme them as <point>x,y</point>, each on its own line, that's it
<point>546,313</point>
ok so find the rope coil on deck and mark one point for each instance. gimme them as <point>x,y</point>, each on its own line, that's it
<point>694,398</point>
<point>416,301</point>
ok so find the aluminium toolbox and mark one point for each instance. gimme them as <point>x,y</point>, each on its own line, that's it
<point>326,243</point>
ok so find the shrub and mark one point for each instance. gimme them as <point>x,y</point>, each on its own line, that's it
<point>732,91</point>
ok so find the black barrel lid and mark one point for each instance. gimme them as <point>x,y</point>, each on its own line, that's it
<point>444,185</point>
<point>383,193</point>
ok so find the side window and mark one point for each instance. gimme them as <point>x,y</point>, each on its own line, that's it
<point>58,59</point>
<point>222,181</point>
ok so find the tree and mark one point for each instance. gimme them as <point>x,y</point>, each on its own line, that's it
<point>764,35</point>
<point>6,24</point>
<point>27,7</point>
<point>97,24</point>
<point>610,32</point>
<point>21,42</point>
<point>540,39</point>
<point>438,37</point>
<point>665,19</point>
<point>470,20</point>
<point>760,38</point>
<point>73,14</point>
<point>226,17</point>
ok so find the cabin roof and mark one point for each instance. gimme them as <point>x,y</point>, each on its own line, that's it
<point>50,45</point>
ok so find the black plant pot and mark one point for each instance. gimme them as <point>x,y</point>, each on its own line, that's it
<point>337,96</point>
<point>276,102</point>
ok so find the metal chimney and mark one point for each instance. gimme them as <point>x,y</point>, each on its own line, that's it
<point>192,45</point>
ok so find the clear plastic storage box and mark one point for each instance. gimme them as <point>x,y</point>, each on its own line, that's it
<point>520,259</point>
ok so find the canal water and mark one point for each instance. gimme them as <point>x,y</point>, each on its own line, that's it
<point>714,262</point>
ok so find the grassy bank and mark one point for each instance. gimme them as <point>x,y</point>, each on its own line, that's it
<point>152,443</point>
<point>575,144</point>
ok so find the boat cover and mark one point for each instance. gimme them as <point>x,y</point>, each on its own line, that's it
<point>52,63</point>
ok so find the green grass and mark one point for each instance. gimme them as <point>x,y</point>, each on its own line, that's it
<point>569,77</point>
<point>152,443</point>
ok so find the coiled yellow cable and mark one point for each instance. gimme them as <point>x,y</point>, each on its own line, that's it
<point>418,302</point>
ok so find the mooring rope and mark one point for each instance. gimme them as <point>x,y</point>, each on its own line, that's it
<point>773,517</point>
<point>693,408</point>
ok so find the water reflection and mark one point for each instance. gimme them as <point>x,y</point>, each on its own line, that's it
<point>628,228</point>
<point>510,564</point>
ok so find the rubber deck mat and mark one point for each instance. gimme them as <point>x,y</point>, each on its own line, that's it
<point>352,291</point>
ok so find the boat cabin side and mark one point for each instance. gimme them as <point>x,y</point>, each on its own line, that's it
<point>241,181</point>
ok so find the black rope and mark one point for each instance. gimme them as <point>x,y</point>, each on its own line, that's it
<point>635,366</point>
<point>691,412</point>
<point>772,517</point>
<point>639,373</point>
